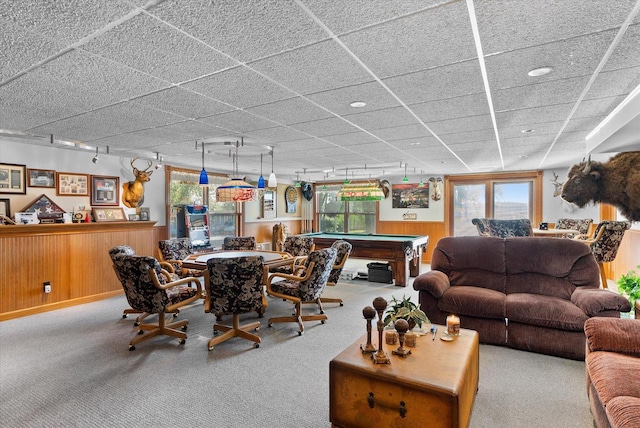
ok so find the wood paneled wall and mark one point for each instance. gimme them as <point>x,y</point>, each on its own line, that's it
<point>263,230</point>
<point>74,258</point>
<point>628,257</point>
<point>435,231</point>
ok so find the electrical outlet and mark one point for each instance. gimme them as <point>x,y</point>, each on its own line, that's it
<point>47,287</point>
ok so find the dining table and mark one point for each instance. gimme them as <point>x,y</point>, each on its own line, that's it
<point>553,232</point>
<point>272,259</point>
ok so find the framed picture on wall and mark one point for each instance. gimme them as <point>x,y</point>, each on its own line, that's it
<point>5,209</point>
<point>108,214</point>
<point>410,196</point>
<point>104,190</point>
<point>72,184</point>
<point>41,177</point>
<point>13,178</point>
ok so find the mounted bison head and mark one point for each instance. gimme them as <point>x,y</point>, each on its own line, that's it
<point>616,182</point>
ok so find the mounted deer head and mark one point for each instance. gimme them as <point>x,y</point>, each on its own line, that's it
<point>133,191</point>
<point>557,185</point>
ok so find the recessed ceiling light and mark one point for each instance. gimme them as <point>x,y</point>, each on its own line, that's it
<point>358,104</point>
<point>527,131</point>
<point>540,71</point>
<point>522,156</point>
<point>417,143</point>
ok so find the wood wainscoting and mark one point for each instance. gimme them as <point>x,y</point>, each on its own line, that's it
<point>435,230</point>
<point>74,258</point>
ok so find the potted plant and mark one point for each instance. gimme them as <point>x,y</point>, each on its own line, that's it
<point>404,309</point>
<point>629,285</point>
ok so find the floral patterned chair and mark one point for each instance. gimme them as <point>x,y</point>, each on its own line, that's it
<point>299,247</point>
<point>173,251</point>
<point>234,285</point>
<point>128,251</point>
<point>239,243</point>
<point>605,243</point>
<point>582,225</point>
<point>150,289</point>
<point>508,228</point>
<point>343,250</point>
<point>305,288</point>
<point>482,226</point>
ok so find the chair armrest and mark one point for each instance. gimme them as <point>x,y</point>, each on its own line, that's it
<point>291,277</point>
<point>593,301</point>
<point>613,335</point>
<point>168,267</point>
<point>434,282</point>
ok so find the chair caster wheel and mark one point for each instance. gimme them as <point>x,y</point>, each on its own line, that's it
<point>136,323</point>
<point>257,345</point>
<point>132,348</point>
<point>124,315</point>
<point>322,322</point>
<point>299,333</point>
<point>175,315</point>
<point>140,332</point>
<point>322,312</point>
<point>341,304</point>
<point>184,328</point>
<point>182,341</point>
<point>257,328</point>
<point>270,324</point>
<point>210,348</point>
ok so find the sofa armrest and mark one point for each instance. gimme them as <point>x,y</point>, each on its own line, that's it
<point>613,334</point>
<point>434,281</point>
<point>594,301</point>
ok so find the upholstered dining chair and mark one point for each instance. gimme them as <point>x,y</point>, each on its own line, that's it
<point>173,251</point>
<point>299,247</point>
<point>343,250</point>
<point>582,225</point>
<point>304,288</point>
<point>508,228</point>
<point>234,285</point>
<point>605,243</point>
<point>148,288</point>
<point>128,251</point>
<point>239,243</point>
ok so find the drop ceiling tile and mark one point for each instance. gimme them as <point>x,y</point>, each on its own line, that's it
<point>351,138</point>
<point>385,118</point>
<point>184,103</point>
<point>338,100</point>
<point>149,46</point>
<point>243,30</point>
<point>239,87</point>
<point>540,94</point>
<point>512,24</point>
<point>290,111</point>
<point>318,67</point>
<point>452,108</point>
<point>325,127</point>
<point>307,144</point>
<point>394,133</point>
<point>276,135</point>
<point>239,121</point>
<point>626,53</point>
<point>617,82</point>
<point>342,17</point>
<point>462,125</point>
<point>527,118</point>
<point>438,83</point>
<point>583,124</point>
<point>63,21</point>
<point>598,107</point>
<point>425,40</point>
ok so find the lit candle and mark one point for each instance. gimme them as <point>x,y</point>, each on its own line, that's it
<point>453,325</point>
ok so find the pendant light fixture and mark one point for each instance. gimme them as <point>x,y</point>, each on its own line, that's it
<point>236,189</point>
<point>405,179</point>
<point>421,184</point>
<point>261,179</point>
<point>272,182</point>
<point>204,178</point>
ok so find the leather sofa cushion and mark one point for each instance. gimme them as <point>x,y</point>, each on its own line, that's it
<point>474,260</point>
<point>544,311</point>
<point>624,412</point>
<point>613,375</point>
<point>473,301</point>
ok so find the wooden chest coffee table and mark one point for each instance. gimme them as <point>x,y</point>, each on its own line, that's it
<point>434,386</point>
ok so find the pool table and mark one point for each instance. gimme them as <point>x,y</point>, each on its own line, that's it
<point>403,252</point>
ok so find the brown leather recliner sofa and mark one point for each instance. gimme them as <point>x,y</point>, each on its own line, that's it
<point>612,366</point>
<point>527,293</point>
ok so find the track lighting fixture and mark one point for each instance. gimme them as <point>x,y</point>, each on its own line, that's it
<point>95,158</point>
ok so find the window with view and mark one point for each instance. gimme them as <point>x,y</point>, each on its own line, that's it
<point>185,190</point>
<point>335,215</point>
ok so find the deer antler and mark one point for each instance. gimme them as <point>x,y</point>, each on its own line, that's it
<point>136,170</point>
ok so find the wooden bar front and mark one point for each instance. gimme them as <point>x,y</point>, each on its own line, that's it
<point>73,257</point>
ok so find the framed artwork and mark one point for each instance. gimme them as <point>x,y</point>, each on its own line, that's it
<point>134,217</point>
<point>410,196</point>
<point>72,184</point>
<point>13,178</point>
<point>108,214</point>
<point>104,190</point>
<point>41,177</point>
<point>5,209</point>
<point>145,214</point>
